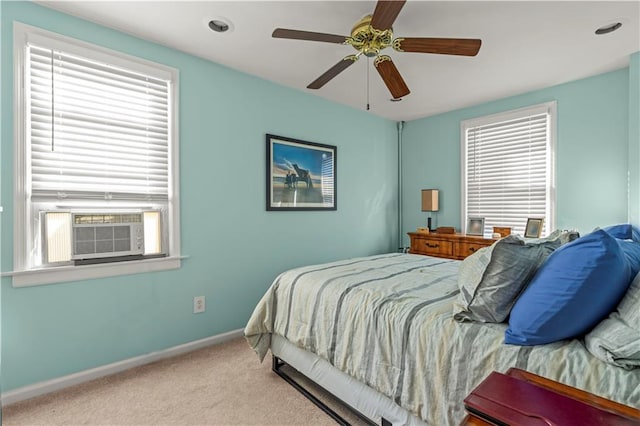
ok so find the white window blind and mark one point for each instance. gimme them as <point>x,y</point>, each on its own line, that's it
<point>508,174</point>
<point>97,131</point>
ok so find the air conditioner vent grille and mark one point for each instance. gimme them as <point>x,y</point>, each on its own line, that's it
<point>107,235</point>
<point>93,218</point>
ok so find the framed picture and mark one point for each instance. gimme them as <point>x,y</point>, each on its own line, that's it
<point>475,226</point>
<point>534,227</point>
<point>300,175</point>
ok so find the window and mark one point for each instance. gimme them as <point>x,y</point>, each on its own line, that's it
<point>96,156</point>
<point>508,168</point>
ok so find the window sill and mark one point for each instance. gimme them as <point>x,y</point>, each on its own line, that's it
<point>62,274</point>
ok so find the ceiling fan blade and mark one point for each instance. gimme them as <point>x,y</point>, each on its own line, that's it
<point>307,35</point>
<point>386,13</point>
<point>332,72</point>
<point>391,76</point>
<point>444,46</point>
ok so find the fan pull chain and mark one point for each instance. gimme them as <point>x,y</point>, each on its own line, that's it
<point>368,83</point>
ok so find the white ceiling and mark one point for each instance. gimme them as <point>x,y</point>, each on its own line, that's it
<point>525,45</point>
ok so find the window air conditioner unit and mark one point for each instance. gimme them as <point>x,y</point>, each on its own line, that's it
<point>100,235</point>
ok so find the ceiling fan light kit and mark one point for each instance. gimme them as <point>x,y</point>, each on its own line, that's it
<point>374,33</point>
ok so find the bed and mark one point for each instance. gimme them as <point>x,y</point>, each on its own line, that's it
<point>378,333</point>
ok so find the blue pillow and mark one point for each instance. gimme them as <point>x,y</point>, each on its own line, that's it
<point>627,232</point>
<point>631,250</point>
<point>579,284</point>
<point>622,231</point>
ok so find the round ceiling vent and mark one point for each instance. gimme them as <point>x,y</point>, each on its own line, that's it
<point>220,25</point>
<point>608,28</point>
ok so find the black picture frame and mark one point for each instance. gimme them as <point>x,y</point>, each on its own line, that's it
<point>534,227</point>
<point>301,175</point>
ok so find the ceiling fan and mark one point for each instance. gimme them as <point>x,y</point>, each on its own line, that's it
<point>374,33</point>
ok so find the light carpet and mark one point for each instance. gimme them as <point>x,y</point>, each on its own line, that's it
<point>218,385</point>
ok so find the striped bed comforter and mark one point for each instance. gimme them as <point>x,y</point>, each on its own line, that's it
<point>387,321</point>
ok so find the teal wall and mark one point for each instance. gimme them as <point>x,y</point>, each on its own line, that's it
<point>236,248</point>
<point>592,150</point>
<point>634,139</point>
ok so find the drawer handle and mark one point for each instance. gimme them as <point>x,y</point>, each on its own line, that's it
<point>472,249</point>
<point>432,245</point>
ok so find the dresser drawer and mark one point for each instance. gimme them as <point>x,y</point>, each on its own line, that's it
<point>432,247</point>
<point>451,246</point>
<point>464,249</point>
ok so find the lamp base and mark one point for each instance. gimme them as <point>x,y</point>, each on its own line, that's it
<point>429,224</point>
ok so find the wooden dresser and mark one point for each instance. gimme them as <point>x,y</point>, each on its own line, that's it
<point>451,246</point>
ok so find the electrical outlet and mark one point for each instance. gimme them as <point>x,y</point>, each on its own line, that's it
<point>199,304</point>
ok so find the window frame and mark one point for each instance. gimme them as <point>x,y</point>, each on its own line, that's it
<point>25,234</point>
<point>550,108</point>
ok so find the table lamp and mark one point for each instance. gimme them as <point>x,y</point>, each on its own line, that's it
<point>429,203</point>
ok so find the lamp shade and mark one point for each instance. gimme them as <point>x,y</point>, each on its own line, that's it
<point>429,200</point>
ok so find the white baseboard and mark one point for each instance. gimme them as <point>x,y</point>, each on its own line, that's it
<point>41,388</point>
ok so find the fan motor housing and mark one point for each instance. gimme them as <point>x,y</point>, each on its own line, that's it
<point>366,39</point>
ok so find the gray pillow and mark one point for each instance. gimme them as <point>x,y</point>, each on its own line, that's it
<point>491,279</point>
<point>564,236</point>
<point>616,339</point>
